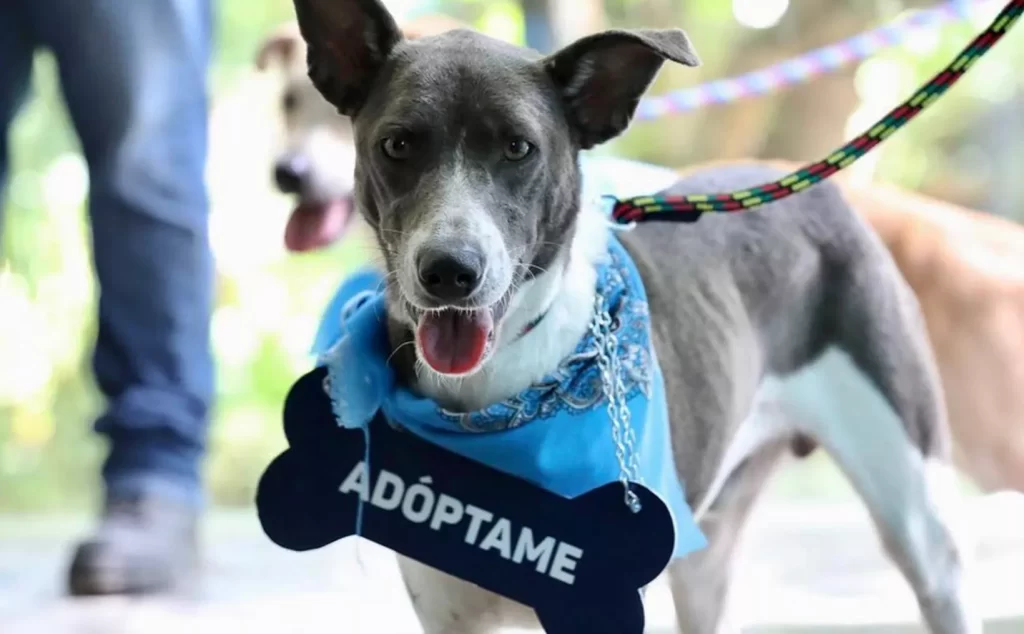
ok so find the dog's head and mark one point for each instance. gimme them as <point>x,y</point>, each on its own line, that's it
<point>317,162</point>
<point>467,156</point>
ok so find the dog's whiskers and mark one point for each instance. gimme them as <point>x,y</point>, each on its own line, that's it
<point>397,349</point>
<point>532,268</point>
<point>389,276</point>
<point>397,232</point>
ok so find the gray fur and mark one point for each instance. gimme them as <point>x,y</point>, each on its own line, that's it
<point>453,114</point>
<point>735,300</point>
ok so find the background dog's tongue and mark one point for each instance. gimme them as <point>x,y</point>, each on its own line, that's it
<point>454,341</point>
<point>314,226</point>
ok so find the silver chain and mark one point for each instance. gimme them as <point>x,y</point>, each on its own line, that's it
<point>618,412</point>
<point>614,387</point>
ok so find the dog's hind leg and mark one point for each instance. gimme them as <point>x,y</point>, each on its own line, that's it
<point>700,581</point>
<point>877,321</point>
<point>895,480</point>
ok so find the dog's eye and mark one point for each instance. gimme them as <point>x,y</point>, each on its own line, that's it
<point>517,149</point>
<point>289,102</point>
<point>396,148</point>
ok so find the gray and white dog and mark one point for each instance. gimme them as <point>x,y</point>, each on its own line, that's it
<point>467,173</point>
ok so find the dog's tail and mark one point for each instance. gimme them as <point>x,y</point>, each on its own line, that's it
<point>878,322</point>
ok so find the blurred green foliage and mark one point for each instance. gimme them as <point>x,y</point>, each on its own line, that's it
<point>268,301</point>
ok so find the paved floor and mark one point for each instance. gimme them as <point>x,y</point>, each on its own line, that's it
<point>806,567</point>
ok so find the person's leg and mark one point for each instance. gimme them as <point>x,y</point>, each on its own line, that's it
<point>134,77</point>
<point>16,48</point>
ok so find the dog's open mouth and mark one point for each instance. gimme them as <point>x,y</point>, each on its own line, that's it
<point>317,225</point>
<point>455,341</point>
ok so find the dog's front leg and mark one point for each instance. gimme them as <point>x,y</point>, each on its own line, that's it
<point>446,605</point>
<point>700,582</point>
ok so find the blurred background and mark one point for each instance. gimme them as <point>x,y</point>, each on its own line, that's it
<point>968,149</point>
<point>268,301</point>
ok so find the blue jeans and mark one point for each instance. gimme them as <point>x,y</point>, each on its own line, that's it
<point>133,74</point>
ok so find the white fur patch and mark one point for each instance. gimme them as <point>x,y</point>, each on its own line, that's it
<point>458,218</point>
<point>516,364</point>
<point>763,425</point>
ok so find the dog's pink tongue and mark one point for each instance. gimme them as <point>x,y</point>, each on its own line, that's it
<point>313,226</point>
<point>454,341</point>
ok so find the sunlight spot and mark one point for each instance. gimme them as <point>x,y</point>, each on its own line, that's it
<point>297,335</point>
<point>234,336</point>
<point>66,182</point>
<point>883,81</point>
<point>759,14</point>
<point>266,301</point>
<point>26,369</point>
<point>923,42</point>
<point>400,9</point>
<point>504,21</point>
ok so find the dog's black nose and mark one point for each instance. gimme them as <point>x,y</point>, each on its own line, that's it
<point>289,174</point>
<point>450,274</point>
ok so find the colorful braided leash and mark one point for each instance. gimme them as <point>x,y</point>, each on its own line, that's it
<point>803,68</point>
<point>689,208</point>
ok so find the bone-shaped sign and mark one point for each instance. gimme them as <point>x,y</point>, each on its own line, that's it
<point>579,563</point>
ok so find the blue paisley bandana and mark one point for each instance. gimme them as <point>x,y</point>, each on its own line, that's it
<point>556,433</point>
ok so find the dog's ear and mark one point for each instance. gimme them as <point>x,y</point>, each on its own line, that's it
<point>280,46</point>
<point>347,43</point>
<point>603,76</point>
